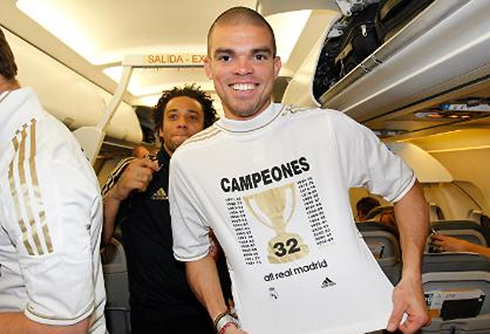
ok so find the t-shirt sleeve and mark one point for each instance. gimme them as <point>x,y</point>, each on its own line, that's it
<point>115,174</point>
<point>367,162</point>
<point>53,203</point>
<point>189,229</point>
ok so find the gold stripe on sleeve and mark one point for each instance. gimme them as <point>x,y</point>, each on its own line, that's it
<point>116,174</point>
<point>16,199</point>
<point>37,189</point>
<point>25,191</point>
<point>203,136</point>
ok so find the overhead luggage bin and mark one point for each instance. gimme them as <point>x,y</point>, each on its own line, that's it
<point>70,97</point>
<point>443,49</point>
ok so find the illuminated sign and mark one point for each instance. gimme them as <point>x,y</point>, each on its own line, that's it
<point>176,59</point>
<point>165,60</point>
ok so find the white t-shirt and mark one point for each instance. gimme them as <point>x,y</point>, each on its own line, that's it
<point>50,219</point>
<point>275,191</point>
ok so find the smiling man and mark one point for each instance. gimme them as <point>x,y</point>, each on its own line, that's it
<point>275,193</point>
<point>243,78</point>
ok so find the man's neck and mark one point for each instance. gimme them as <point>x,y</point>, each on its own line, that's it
<point>6,85</point>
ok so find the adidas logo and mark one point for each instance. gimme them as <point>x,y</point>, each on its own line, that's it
<point>273,293</point>
<point>159,195</point>
<point>327,282</point>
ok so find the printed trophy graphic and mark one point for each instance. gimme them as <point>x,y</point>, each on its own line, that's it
<point>274,208</point>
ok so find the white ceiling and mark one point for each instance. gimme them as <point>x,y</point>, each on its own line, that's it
<point>108,30</point>
<point>92,37</point>
<point>104,31</point>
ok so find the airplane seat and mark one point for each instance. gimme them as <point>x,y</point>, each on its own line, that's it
<point>117,288</point>
<point>463,229</point>
<point>435,212</point>
<point>485,224</point>
<point>378,210</point>
<point>456,288</point>
<point>482,219</point>
<point>475,215</point>
<point>118,234</point>
<point>383,242</point>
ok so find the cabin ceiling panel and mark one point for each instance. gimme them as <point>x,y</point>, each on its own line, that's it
<point>105,31</point>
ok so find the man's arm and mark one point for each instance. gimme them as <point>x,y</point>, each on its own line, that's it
<point>203,279</point>
<point>136,176</point>
<point>446,243</point>
<point>111,208</point>
<point>412,218</point>
<point>18,323</point>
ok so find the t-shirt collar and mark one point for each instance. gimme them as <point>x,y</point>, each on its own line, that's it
<point>261,120</point>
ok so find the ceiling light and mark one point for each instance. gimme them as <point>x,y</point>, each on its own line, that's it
<point>458,149</point>
<point>427,114</point>
<point>138,86</point>
<point>51,15</point>
<point>287,28</point>
<point>149,101</point>
<point>427,136</point>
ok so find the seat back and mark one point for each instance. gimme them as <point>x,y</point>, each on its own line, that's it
<point>383,242</point>
<point>482,219</point>
<point>457,288</point>
<point>117,288</point>
<point>378,210</point>
<point>435,212</point>
<point>475,215</point>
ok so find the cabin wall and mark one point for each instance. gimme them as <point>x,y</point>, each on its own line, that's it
<point>469,165</point>
<point>465,153</point>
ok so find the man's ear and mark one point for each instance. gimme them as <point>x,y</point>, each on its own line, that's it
<point>207,67</point>
<point>160,132</point>
<point>277,66</point>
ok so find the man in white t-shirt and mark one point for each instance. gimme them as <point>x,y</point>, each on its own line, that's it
<point>272,182</point>
<point>50,219</point>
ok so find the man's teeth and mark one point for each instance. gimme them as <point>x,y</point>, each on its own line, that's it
<point>243,86</point>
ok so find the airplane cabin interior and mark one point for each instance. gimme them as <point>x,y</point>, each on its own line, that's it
<point>424,90</point>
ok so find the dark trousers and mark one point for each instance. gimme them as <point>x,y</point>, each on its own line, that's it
<point>191,324</point>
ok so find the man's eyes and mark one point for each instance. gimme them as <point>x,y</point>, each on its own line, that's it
<point>224,58</point>
<point>227,58</point>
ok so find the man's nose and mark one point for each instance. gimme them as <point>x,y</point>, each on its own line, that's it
<point>182,122</point>
<point>244,67</point>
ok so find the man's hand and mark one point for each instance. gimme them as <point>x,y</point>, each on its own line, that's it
<point>408,298</point>
<point>136,176</point>
<point>444,243</point>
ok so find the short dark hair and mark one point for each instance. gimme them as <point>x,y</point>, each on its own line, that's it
<point>8,68</point>
<point>366,204</point>
<point>242,15</point>
<point>192,91</point>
